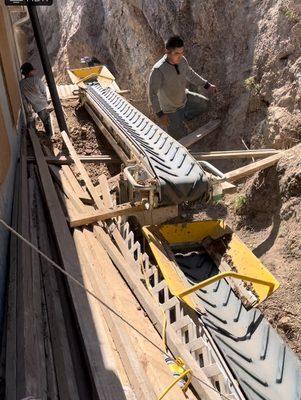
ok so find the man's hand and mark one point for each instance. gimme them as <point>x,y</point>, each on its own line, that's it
<point>212,89</point>
<point>164,120</point>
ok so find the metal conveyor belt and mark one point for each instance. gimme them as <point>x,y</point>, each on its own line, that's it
<point>179,175</point>
<point>265,366</point>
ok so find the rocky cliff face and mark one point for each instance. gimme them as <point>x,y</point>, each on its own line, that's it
<point>251,49</point>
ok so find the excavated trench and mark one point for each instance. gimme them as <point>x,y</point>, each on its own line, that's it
<point>251,51</point>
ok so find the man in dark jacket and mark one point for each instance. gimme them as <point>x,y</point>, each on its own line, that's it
<point>168,94</point>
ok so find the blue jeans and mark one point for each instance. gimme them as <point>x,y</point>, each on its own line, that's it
<point>45,118</point>
<point>195,105</point>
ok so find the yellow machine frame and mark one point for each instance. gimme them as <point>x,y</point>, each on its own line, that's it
<point>246,266</point>
<point>98,73</point>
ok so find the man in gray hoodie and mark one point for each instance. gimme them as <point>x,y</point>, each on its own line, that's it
<point>169,97</point>
<point>33,92</point>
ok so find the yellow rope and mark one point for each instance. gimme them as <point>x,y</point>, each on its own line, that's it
<point>178,361</point>
<point>164,393</point>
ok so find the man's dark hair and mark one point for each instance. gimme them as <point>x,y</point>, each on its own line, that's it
<point>173,42</point>
<point>26,68</point>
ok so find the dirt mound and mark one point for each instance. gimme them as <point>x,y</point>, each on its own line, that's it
<point>278,194</point>
<point>273,200</point>
<point>86,139</point>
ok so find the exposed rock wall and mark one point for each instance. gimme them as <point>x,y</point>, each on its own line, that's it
<point>249,48</point>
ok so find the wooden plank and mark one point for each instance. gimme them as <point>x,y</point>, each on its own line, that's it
<point>92,280</point>
<point>46,150</point>
<point>104,383</point>
<point>37,295</point>
<point>67,174</point>
<point>61,160</point>
<point>69,208</point>
<point>67,189</point>
<point>246,147</point>
<point>77,188</point>
<point>65,375</point>
<point>82,170</point>
<point>3,347</point>
<point>11,349</point>
<point>106,195</point>
<point>227,187</point>
<point>98,190</point>
<point>104,214</point>
<point>52,388</point>
<point>233,154</point>
<point>93,262</point>
<point>139,331</point>
<point>114,181</point>
<point>247,170</point>
<point>157,216</point>
<point>123,246</point>
<point>155,314</point>
<point>200,133</point>
<point>27,365</point>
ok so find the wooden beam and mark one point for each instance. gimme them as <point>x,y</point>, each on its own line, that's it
<point>61,349</point>
<point>122,209</point>
<point>66,188</point>
<point>103,380</point>
<point>82,170</point>
<point>200,133</point>
<point>233,154</point>
<point>27,365</point>
<point>94,259</point>
<point>67,174</point>
<point>157,216</point>
<point>11,338</point>
<point>105,190</point>
<point>77,188</point>
<point>250,169</point>
<point>61,160</point>
<point>38,329</point>
<point>52,385</point>
<point>227,187</point>
<point>114,180</point>
<point>200,381</point>
<point>70,209</point>
<point>138,331</point>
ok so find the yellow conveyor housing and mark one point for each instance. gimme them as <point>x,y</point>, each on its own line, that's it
<point>249,278</point>
<point>98,73</point>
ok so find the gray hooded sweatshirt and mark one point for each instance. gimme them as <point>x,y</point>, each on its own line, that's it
<point>33,92</point>
<point>167,85</point>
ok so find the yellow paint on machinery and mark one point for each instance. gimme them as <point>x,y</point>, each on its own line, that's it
<point>245,266</point>
<point>173,275</point>
<point>98,73</point>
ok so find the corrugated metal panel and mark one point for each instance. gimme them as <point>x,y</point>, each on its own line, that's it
<point>65,92</point>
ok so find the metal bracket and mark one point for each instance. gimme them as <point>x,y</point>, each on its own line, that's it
<point>222,275</point>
